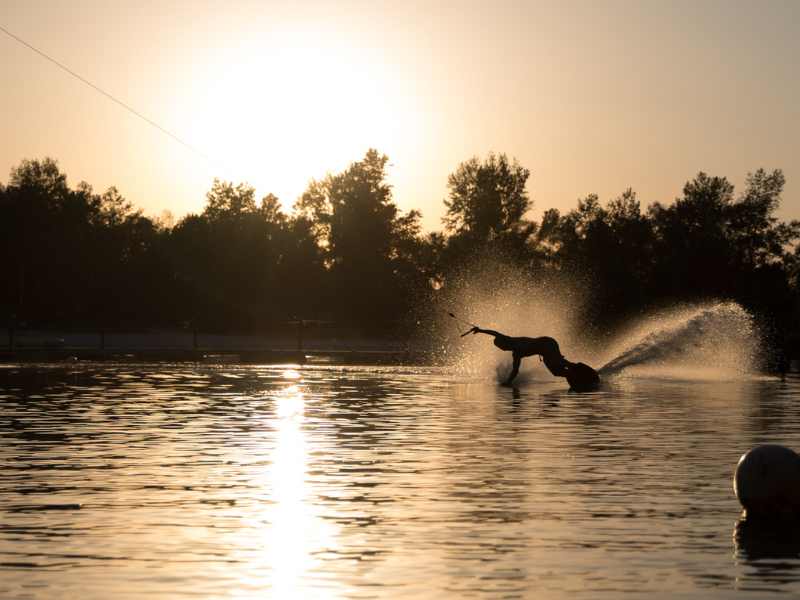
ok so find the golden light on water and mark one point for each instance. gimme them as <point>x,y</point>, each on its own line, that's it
<point>291,374</point>
<point>295,533</point>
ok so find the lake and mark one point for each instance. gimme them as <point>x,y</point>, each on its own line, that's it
<point>229,481</point>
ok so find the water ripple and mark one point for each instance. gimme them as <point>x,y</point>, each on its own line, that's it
<point>353,482</point>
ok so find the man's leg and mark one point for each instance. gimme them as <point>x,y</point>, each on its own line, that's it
<point>556,364</point>
<point>514,370</point>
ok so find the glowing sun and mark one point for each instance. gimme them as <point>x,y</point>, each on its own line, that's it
<point>277,112</point>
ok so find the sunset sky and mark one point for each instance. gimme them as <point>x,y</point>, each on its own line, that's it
<point>590,96</point>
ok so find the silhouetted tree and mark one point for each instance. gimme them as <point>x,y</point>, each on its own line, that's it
<point>78,256</point>
<point>346,252</point>
<point>710,244</point>
<point>487,199</point>
<point>695,256</point>
<point>486,207</point>
<point>369,247</point>
<point>757,235</point>
<point>609,249</point>
<point>224,200</point>
<point>245,264</point>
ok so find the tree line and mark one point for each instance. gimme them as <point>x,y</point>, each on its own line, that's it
<point>347,253</point>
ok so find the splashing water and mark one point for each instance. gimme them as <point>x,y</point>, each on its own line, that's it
<point>712,341</point>
<point>497,296</point>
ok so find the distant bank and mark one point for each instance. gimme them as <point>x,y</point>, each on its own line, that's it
<point>180,345</point>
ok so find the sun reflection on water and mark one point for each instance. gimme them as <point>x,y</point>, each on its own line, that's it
<point>291,374</point>
<point>363,482</point>
<point>295,532</point>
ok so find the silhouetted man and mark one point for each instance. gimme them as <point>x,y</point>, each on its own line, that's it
<point>581,377</point>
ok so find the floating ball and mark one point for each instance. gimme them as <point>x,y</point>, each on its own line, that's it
<point>767,482</point>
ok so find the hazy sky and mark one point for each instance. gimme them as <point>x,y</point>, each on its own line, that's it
<point>590,96</point>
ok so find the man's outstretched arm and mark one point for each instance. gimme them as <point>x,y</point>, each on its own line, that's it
<point>477,329</point>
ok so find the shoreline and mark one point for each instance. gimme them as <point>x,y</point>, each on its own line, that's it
<point>188,346</point>
<point>248,356</point>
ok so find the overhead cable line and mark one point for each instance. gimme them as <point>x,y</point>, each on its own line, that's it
<point>111,97</point>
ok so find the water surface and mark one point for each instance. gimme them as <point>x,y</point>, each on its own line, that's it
<point>125,481</point>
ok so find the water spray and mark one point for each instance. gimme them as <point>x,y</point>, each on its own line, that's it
<point>717,340</point>
<point>472,325</point>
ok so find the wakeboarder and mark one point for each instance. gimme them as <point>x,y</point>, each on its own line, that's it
<point>581,377</point>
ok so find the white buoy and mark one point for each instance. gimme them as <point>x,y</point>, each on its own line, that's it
<point>767,482</point>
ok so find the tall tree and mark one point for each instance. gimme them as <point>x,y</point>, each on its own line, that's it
<point>365,239</point>
<point>487,198</point>
<point>608,248</point>
<point>80,257</point>
<point>486,207</point>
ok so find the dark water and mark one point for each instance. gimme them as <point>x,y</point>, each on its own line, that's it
<point>334,482</point>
